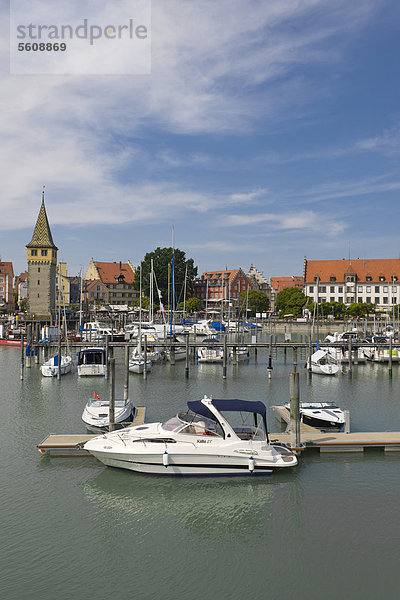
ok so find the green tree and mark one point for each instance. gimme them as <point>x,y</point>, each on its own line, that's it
<point>192,305</point>
<point>256,301</point>
<point>290,301</point>
<point>359,309</point>
<point>162,262</point>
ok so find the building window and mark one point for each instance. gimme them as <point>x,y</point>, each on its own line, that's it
<point>92,294</point>
<point>332,298</point>
<point>360,289</point>
<point>332,289</point>
<point>322,289</point>
<point>368,299</point>
<point>340,299</point>
<point>377,289</point>
<point>43,252</point>
<point>38,281</point>
<point>376,299</point>
<point>393,289</point>
<point>333,279</point>
<point>385,289</point>
<point>340,290</point>
<point>385,300</point>
<point>351,299</point>
<point>368,289</point>
<point>381,278</point>
<point>394,300</point>
<point>368,278</point>
<point>311,289</point>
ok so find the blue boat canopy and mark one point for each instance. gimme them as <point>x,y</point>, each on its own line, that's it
<point>231,405</point>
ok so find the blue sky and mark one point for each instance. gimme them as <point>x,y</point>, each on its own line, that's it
<point>268,130</point>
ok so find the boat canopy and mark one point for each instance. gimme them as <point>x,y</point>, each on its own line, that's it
<point>231,405</point>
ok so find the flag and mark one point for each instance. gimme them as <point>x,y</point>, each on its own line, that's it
<point>96,396</point>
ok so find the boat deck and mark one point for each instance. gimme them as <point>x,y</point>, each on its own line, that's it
<point>284,415</point>
<point>71,444</point>
<point>389,441</point>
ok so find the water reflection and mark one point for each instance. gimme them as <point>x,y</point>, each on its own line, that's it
<point>206,506</point>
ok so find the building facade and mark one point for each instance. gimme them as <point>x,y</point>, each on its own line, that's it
<point>42,261</point>
<point>372,281</point>
<point>222,285</point>
<point>21,287</point>
<point>7,286</point>
<point>118,277</point>
<point>281,283</point>
<point>62,285</point>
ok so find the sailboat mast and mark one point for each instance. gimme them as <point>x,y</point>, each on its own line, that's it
<point>172,281</point>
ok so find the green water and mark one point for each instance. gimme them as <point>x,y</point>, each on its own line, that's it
<point>72,528</point>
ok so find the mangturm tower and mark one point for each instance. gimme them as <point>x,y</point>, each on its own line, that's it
<point>42,262</point>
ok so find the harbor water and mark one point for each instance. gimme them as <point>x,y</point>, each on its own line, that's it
<point>73,528</point>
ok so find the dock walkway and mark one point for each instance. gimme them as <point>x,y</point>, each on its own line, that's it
<point>70,444</point>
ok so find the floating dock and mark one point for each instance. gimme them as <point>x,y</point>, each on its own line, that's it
<point>72,444</point>
<point>336,441</point>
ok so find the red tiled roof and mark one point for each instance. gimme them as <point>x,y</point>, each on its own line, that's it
<point>373,267</point>
<point>212,275</point>
<point>109,272</point>
<point>280,283</point>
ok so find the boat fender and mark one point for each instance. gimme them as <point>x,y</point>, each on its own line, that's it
<point>251,464</point>
<point>165,459</point>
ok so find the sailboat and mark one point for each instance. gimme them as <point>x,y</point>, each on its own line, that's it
<point>58,363</point>
<point>137,361</point>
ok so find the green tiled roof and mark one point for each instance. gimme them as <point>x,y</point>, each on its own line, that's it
<point>42,237</point>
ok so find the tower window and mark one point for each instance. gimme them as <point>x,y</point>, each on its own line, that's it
<point>44,252</point>
<point>38,270</point>
<point>33,252</point>
<point>38,281</point>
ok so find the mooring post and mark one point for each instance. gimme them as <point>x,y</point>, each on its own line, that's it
<point>28,346</point>
<point>350,358</point>
<point>107,358</point>
<point>255,348</point>
<point>126,372</point>
<point>346,421</point>
<point>111,413</point>
<point>187,356</point>
<point>295,359</point>
<point>59,355</point>
<point>22,355</point>
<point>269,368</point>
<point>234,357</point>
<point>390,357</point>
<point>294,391</point>
<point>172,354</point>
<point>224,361</point>
<point>310,353</point>
<point>145,358</point>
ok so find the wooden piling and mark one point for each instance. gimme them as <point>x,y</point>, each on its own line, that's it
<point>22,355</point>
<point>126,372</point>
<point>269,368</point>
<point>111,413</point>
<point>350,357</point>
<point>187,356</point>
<point>107,357</point>
<point>225,357</point>
<point>59,356</point>
<point>294,391</point>
<point>28,346</point>
<point>145,358</point>
<point>390,357</point>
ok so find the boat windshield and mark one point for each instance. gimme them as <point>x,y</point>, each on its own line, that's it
<point>194,424</point>
<point>98,402</point>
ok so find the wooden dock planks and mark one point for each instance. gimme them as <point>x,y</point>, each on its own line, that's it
<point>71,444</point>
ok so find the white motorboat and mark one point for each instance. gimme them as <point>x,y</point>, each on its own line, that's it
<point>323,363</point>
<point>50,367</point>
<point>96,414</point>
<point>212,353</point>
<point>320,414</point>
<point>242,354</point>
<point>92,361</point>
<point>199,441</point>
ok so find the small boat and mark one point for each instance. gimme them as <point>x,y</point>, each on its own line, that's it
<point>50,367</point>
<point>242,354</point>
<point>137,362</point>
<point>212,353</point>
<point>199,441</point>
<point>96,414</point>
<point>320,414</point>
<point>323,363</point>
<point>92,361</point>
